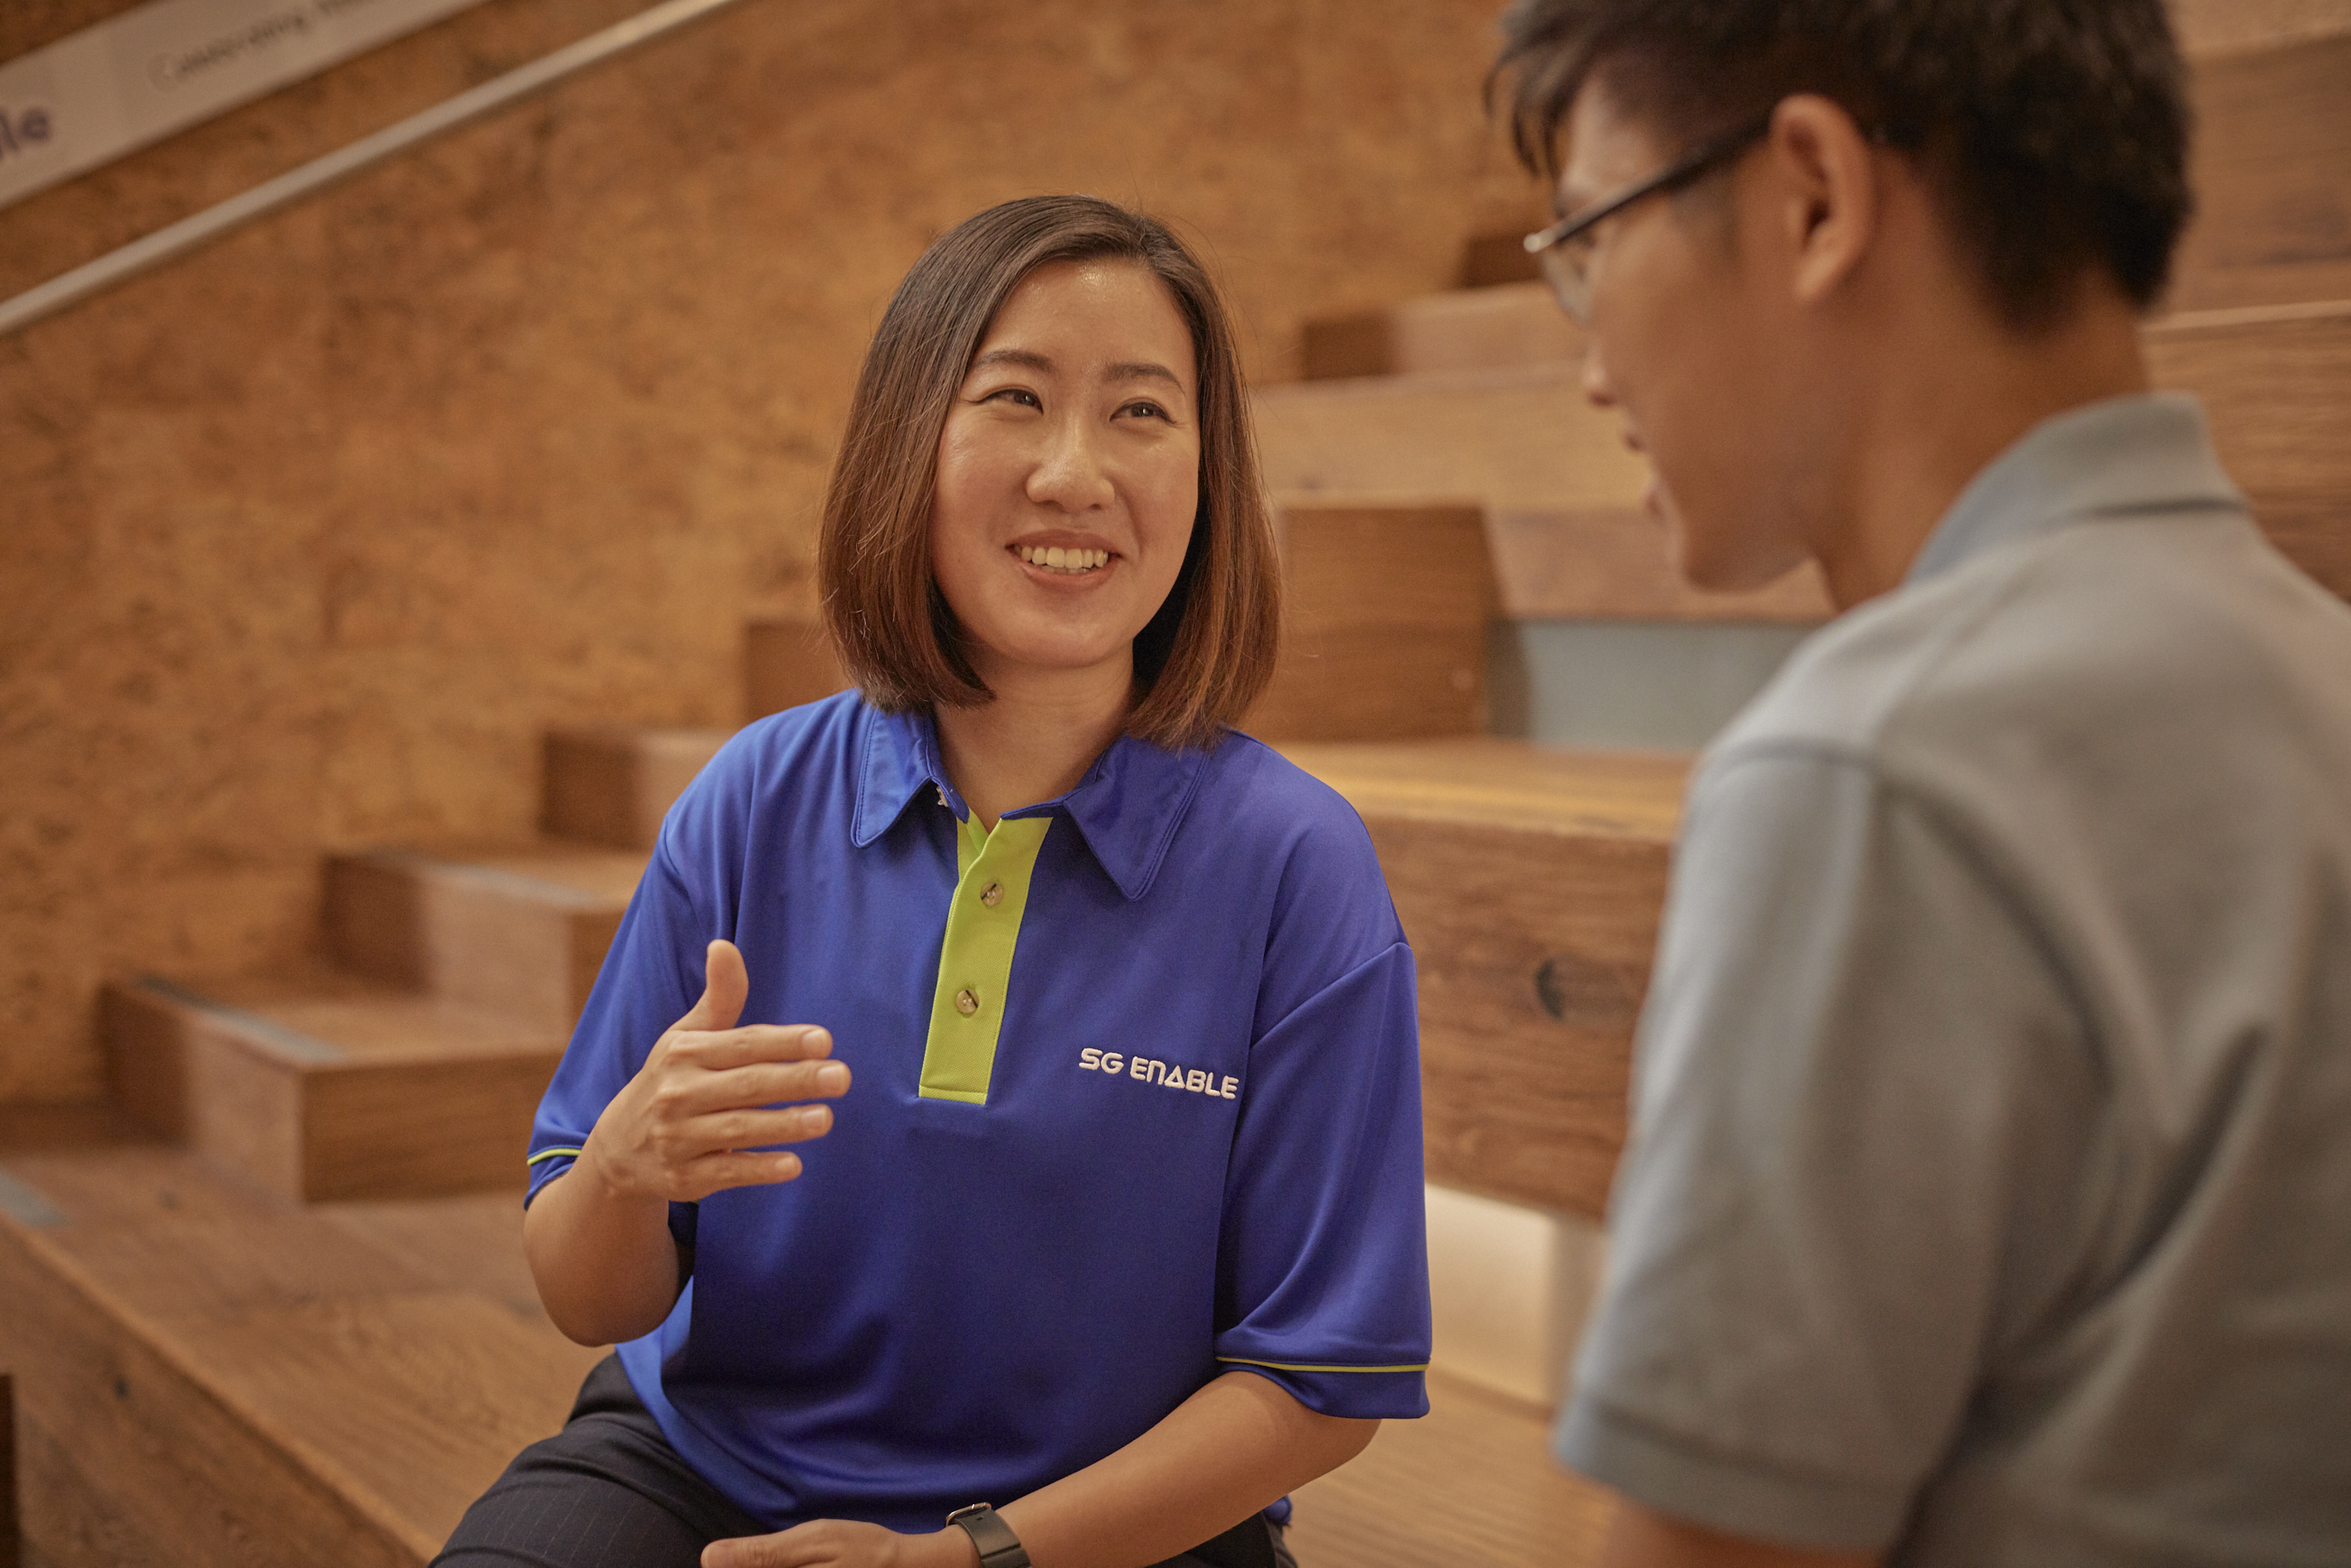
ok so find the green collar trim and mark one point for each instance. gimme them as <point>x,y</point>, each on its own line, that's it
<point>991,894</point>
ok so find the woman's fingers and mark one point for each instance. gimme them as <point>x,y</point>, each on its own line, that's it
<point>753,1043</point>
<point>833,1543</point>
<point>717,1173</point>
<point>747,1129</point>
<point>688,1093</point>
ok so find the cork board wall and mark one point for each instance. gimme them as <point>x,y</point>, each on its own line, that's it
<point>306,538</point>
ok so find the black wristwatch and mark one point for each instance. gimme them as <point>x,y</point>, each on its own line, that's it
<point>998,1547</point>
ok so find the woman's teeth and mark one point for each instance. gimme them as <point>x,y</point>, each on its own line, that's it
<point>1058,559</point>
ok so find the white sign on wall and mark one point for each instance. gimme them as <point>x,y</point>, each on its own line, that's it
<point>138,77</point>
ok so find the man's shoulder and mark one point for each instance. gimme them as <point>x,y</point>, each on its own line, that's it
<point>2103,628</point>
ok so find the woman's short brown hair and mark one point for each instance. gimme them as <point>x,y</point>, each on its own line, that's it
<point>1208,652</point>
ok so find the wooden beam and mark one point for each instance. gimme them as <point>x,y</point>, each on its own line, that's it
<point>210,1377</point>
<point>2277,386</point>
<point>1519,439</point>
<point>610,785</point>
<point>520,932</point>
<point>2275,381</point>
<point>2272,174</point>
<point>1611,563</point>
<point>1386,613</point>
<point>1469,1485</point>
<point>320,1086</point>
<point>1467,328</point>
<point>1489,260</point>
<point>1530,884</point>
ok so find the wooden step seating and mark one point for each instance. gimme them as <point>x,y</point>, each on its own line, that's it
<point>2273,178</point>
<point>363,1368</point>
<point>522,930</point>
<point>211,1375</point>
<point>322,1084</point>
<point>609,785</point>
<point>1564,491</point>
<point>1530,883</point>
<point>411,1067</point>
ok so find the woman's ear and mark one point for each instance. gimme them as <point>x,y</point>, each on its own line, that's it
<point>1827,193</point>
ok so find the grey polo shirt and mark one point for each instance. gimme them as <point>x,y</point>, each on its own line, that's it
<point>1989,1193</point>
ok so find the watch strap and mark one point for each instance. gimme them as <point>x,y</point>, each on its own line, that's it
<point>998,1547</point>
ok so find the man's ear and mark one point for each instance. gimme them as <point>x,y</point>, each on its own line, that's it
<point>1827,189</point>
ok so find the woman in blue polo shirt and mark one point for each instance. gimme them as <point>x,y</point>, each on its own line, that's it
<point>1101,1011</point>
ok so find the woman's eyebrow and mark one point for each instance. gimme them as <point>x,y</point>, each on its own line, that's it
<point>1142,372</point>
<point>1028,358</point>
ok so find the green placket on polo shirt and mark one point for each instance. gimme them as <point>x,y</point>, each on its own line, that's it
<point>976,961</point>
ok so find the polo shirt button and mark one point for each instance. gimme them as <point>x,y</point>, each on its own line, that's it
<point>992,894</point>
<point>966,1002</point>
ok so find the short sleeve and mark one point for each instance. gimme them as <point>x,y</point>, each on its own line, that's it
<point>642,989</point>
<point>1859,1081</point>
<point>1323,1268</point>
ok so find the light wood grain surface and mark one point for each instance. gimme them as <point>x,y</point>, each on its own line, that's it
<point>610,785</point>
<point>1465,328</point>
<point>520,932</point>
<point>1530,883</point>
<point>290,1385</point>
<point>1469,1485</point>
<point>2272,174</point>
<point>1387,609</point>
<point>1613,563</point>
<point>2276,383</point>
<point>216,1376</point>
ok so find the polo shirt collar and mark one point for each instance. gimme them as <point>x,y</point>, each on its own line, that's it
<point>1127,806</point>
<point>2148,453</point>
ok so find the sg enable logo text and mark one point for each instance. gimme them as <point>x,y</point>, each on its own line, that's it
<point>1166,1074</point>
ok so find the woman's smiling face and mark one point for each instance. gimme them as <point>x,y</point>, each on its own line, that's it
<point>1069,473</point>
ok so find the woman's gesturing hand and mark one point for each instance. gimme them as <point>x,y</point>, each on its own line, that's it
<point>708,1093</point>
<point>843,1543</point>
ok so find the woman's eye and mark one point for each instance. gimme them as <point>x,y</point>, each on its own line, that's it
<point>1021,397</point>
<point>1145,409</point>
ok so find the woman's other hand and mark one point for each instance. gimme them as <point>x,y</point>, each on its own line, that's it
<point>683,1127</point>
<point>843,1543</point>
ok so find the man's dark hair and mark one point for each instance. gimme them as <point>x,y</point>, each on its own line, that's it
<point>2055,132</point>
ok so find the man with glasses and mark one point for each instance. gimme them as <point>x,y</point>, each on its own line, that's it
<point>1986,1198</point>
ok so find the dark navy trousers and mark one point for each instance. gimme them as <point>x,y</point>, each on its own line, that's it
<point>608,1491</point>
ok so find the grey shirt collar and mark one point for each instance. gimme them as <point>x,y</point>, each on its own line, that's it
<point>2132,455</point>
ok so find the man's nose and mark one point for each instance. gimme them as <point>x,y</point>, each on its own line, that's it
<point>1071,472</point>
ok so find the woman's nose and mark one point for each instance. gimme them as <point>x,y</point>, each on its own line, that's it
<point>1071,472</point>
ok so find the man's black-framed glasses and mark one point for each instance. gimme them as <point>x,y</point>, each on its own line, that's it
<point>1564,250</point>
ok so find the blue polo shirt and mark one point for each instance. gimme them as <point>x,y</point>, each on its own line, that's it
<point>1196,1147</point>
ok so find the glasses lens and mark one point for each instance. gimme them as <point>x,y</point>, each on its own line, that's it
<point>1565,267</point>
